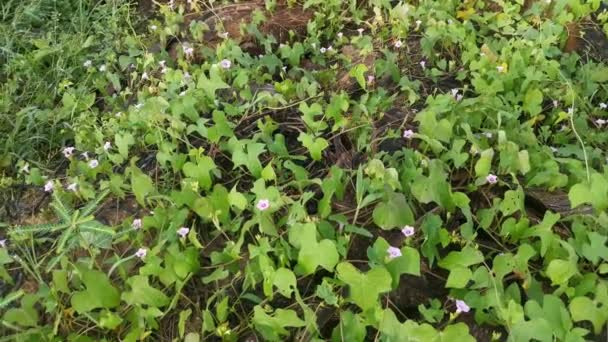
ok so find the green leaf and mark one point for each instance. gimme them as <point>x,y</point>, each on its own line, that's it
<point>533,101</point>
<point>350,328</point>
<point>513,202</point>
<point>596,249</point>
<point>459,277</point>
<point>273,327</point>
<point>468,256</point>
<point>123,141</point>
<point>141,184</point>
<point>560,271</point>
<point>407,263</point>
<point>285,281</point>
<point>143,294</point>
<point>201,171</point>
<point>394,212</point>
<point>99,293</point>
<point>584,309</point>
<point>315,146</point>
<point>595,193</point>
<point>358,72</point>
<point>484,164</point>
<point>364,288</point>
<point>213,83</point>
<point>312,253</point>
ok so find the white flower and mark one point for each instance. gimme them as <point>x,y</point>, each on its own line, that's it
<point>153,27</point>
<point>25,168</point>
<point>398,44</point>
<point>408,231</point>
<point>162,63</point>
<point>323,50</point>
<point>102,68</point>
<point>93,163</point>
<point>187,77</point>
<point>393,252</point>
<point>330,48</point>
<point>454,92</point>
<point>118,114</point>
<point>555,103</point>
<point>600,122</point>
<point>141,253</point>
<point>144,76</point>
<point>48,186</point>
<point>603,105</point>
<point>72,187</point>
<point>68,151</point>
<point>570,110</point>
<point>488,135</point>
<point>450,21</point>
<point>459,97</point>
<point>226,64</point>
<point>340,35</point>
<point>107,145</point>
<point>3,243</point>
<point>87,63</point>
<point>492,179</point>
<point>224,35</point>
<point>418,22</point>
<point>408,134</point>
<point>188,50</point>
<point>136,224</point>
<point>183,93</point>
<point>263,204</point>
<point>183,231</point>
<point>138,106</point>
<point>85,155</point>
<point>461,306</point>
<point>500,68</point>
<point>360,30</point>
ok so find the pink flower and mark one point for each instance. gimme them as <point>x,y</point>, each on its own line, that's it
<point>398,44</point>
<point>408,231</point>
<point>93,163</point>
<point>48,187</point>
<point>370,79</point>
<point>136,224</point>
<point>226,64</point>
<point>492,179</point>
<point>408,134</point>
<point>461,306</point>
<point>183,231</point>
<point>141,253</point>
<point>263,204</point>
<point>188,50</point>
<point>68,151</point>
<point>423,64</point>
<point>600,122</point>
<point>393,252</point>
<point>3,243</point>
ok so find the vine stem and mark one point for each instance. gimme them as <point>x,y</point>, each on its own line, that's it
<point>571,117</point>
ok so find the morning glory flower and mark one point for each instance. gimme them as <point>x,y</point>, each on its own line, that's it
<point>408,134</point>
<point>93,163</point>
<point>226,64</point>
<point>87,63</point>
<point>323,50</point>
<point>183,231</point>
<point>141,253</point>
<point>136,224</point>
<point>370,79</point>
<point>263,204</point>
<point>461,306</point>
<point>188,50</point>
<point>72,187</point>
<point>398,44</point>
<point>600,122</point>
<point>408,231</point>
<point>48,186</point>
<point>107,145</point>
<point>68,151</point>
<point>492,179</point>
<point>393,252</point>
<point>423,64</point>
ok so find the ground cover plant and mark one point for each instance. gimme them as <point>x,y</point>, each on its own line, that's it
<point>304,170</point>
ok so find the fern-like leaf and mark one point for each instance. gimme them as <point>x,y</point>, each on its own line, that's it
<point>92,205</point>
